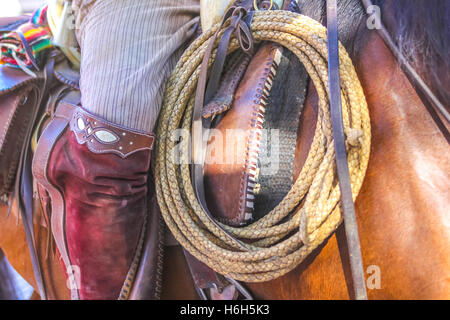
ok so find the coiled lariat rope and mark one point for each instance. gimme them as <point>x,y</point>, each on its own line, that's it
<point>285,236</point>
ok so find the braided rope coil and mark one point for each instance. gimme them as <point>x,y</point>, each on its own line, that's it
<point>285,236</point>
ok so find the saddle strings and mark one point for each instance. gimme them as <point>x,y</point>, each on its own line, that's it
<point>285,236</point>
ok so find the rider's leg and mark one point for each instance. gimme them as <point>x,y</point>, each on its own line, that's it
<point>94,160</point>
<point>128,51</point>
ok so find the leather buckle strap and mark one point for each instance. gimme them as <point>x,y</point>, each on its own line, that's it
<point>351,227</point>
<point>207,279</point>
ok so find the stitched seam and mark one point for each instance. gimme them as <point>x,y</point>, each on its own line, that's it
<point>246,194</point>
<point>18,85</point>
<point>9,121</point>
<point>115,126</point>
<point>11,175</point>
<point>132,271</point>
<point>160,260</point>
<point>66,81</point>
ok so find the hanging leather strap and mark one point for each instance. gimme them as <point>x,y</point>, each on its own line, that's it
<point>351,226</point>
<point>24,182</point>
<point>203,276</point>
<point>239,24</point>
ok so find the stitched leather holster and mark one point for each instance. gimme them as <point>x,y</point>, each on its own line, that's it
<point>240,124</point>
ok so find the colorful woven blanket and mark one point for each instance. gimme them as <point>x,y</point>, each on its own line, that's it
<point>25,47</point>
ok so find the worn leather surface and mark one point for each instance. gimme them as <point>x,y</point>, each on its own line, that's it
<point>98,205</point>
<point>232,168</point>
<point>55,128</point>
<point>12,78</point>
<point>235,164</point>
<point>148,281</point>
<point>18,98</point>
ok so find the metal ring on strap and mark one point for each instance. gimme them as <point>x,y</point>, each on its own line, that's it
<point>256,7</point>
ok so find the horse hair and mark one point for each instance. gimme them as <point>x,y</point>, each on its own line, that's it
<point>421,31</point>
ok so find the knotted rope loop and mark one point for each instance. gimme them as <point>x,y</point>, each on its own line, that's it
<point>310,212</point>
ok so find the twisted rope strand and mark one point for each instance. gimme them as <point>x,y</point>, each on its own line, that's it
<point>285,236</point>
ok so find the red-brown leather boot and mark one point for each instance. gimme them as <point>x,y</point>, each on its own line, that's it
<point>96,175</point>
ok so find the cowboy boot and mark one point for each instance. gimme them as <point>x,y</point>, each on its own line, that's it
<point>96,174</point>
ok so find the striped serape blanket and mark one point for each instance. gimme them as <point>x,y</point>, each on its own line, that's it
<point>25,47</point>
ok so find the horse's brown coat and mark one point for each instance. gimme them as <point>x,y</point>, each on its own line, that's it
<point>402,209</point>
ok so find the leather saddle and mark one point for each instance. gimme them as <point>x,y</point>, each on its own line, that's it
<point>24,100</point>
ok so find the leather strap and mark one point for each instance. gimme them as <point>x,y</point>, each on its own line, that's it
<point>28,50</point>
<point>24,182</point>
<point>204,277</point>
<point>223,100</point>
<point>242,30</point>
<point>50,135</point>
<point>241,14</point>
<point>351,226</point>
<point>207,279</point>
<point>148,279</point>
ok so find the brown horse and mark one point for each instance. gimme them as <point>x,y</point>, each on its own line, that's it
<point>402,209</point>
